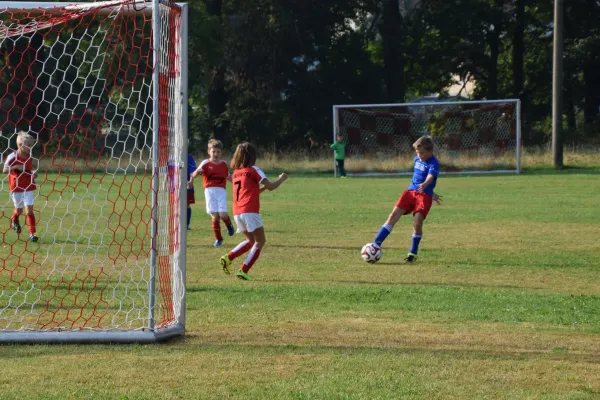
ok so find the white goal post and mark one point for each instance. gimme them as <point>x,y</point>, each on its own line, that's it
<point>471,137</point>
<point>102,89</point>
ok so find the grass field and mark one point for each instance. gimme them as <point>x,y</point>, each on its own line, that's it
<point>503,303</point>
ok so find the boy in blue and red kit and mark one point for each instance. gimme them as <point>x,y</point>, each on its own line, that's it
<point>417,199</point>
<point>191,196</point>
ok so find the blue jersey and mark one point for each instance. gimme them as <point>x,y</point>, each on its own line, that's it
<point>191,168</point>
<point>422,169</point>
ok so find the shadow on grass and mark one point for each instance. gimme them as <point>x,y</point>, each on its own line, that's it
<point>197,343</point>
<point>503,354</point>
<point>320,282</point>
<point>353,248</point>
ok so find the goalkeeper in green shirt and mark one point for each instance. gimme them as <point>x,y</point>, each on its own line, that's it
<point>339,148</point>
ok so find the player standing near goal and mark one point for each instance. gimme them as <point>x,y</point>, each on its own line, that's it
<point>21,176</point>
<point>339,148</point>
<point>214,173</point>
<point>247,179</point>
<point>417,198</point>
<point>191,195</point>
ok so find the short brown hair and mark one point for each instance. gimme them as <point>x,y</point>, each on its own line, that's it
<point>244,156</point>
<point>424,142</point>
<point>215,143</point>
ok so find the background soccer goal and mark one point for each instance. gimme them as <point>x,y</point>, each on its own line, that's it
<point>470,136</point>
<point>100,86</point>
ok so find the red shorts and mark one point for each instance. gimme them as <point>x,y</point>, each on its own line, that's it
<point>191,198</point>
<point>413,201</point>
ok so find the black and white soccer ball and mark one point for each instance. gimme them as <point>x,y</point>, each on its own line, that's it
<point>371,253</point>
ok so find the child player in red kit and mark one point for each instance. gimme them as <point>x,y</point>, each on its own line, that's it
<point>247,180</point>
<point>21,177</point>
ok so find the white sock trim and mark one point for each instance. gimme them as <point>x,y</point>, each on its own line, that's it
<point>250,256</point>
<point>239,246</point>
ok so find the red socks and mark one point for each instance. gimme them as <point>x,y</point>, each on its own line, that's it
<point>239,250</point>
<point>15,216</point>
<point>251,259</point>
<point>31,223</point>
<point>226,221</point>
<point>217,229</point>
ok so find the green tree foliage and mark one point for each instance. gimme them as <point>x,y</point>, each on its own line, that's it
<point>269,71</point>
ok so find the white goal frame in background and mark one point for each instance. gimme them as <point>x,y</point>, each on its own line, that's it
<point>461,120</point>
<point>147,327</point>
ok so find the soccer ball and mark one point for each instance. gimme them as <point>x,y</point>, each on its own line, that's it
<point>371,253</point>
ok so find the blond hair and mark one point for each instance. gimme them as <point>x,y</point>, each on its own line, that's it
<point>21,136</point>
<point>244,156</point>
<point>215,144</point>
<point>424,142</point>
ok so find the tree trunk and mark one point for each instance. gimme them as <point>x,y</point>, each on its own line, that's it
<point>570,110</point>
<point>217,94</point>
<point>494,42</point>
<point>518,48</point>
<point>392,35</point>
<point>591,107</point>
<point>217,102</point>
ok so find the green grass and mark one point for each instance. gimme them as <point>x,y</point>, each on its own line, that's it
<point>503,302</point>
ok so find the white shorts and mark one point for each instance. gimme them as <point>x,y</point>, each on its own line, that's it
<point>216,200</point>
<point>20,198</point>
<point>248,222</point>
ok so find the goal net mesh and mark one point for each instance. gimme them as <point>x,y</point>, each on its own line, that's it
<point>469,137</point>
<point>79,80</point>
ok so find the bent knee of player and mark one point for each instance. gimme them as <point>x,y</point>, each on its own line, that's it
<point>29,210</point>
<point>418,222</point>
<point>395,216</point>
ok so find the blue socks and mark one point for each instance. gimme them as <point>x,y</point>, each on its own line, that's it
<point>189,216</point>
<point>416,239</point>
<point>383,233</point>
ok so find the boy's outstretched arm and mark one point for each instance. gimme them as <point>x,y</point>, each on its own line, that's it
<point>273,185</point>
<point>437,198</point>
<point>430,178</point>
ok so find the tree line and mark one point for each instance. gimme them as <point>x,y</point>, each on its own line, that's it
<point>270,70</point>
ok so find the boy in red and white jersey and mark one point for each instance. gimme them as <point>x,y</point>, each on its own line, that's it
<point>21,178</point>
<point>214,173</point>
<point>247,180</point>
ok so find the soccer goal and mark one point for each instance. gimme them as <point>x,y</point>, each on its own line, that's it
<point>101,87</point>
<point>471,137</point>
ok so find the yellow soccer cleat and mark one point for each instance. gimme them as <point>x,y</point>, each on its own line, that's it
<point>225,264</point>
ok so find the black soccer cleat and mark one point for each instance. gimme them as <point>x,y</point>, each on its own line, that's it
<point>17,227</point>
<point>411,258</point>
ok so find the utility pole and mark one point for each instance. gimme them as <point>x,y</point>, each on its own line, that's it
<point>557,85</point>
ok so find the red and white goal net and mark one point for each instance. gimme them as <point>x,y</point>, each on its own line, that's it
<point>100,88</point>
<point>470,136</point>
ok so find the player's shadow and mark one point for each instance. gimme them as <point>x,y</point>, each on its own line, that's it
<point>353,248</point>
